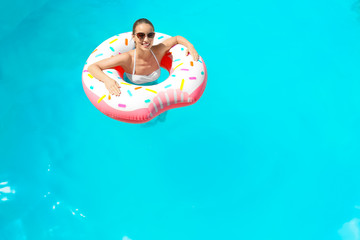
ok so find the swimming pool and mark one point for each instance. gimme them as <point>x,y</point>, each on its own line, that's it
<point>270,151</point>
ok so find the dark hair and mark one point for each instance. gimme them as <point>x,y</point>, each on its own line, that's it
<point>139,21</point>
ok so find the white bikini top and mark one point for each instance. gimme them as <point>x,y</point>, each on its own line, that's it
<point>139,79</point>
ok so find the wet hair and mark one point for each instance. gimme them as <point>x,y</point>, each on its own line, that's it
<point>140,21</point>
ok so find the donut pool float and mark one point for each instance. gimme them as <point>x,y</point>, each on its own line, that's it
<point>140,103</point>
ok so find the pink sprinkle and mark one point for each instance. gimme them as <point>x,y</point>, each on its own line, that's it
<point>122,105</point>
<point>86,71</point>
<point>192,78</point>
<point>184,69</point>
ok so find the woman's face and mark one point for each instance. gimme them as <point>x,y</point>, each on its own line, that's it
<point>143,42</point>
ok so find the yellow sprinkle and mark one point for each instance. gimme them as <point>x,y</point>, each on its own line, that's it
<point>113,41</point>
<point>182,84</point>
<point>101,98</point>
<point>151,90</point>
<point>125,83</point>
<point>90,75</point>
<point>178,66</point>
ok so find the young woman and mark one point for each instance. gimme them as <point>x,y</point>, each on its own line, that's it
<point>142,64</point>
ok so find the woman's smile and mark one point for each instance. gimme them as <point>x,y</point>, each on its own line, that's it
<point>146,45</point>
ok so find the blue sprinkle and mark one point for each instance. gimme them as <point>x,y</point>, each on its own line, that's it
<point>177,60</point>
<point>109,72</point>
<point>129,93</point>
<point>173,75</point>
<point>202,73</point>
<point>182,49</point>
<point>168,86</point>
<point>147,100</point>
<point>91,87</point>
<point>85,63</point>
<point>112,49</point>
<point>99,55</point>
<point>200,61</point>
<point>161,37</point>
<point>119,78</point>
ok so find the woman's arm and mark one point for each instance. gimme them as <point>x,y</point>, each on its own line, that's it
<point>183,41</point>
<point>170,42</point>
<point>190,48</point>
<point>97,72</point>
<point>96,69</point>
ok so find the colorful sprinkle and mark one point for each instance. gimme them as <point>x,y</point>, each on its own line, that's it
<point>94,50</point>
<point>122,105</point>
<point>182,84</point>
<point>168,86</point>
<point>182,49</point>
<point>109,96</point>
<point>99,55</point>
<point>151,90</point>
<point>137,88</point>
<point>161,37</point>
<point>86,71</point>
<point>200,61</point>
<point>173,75</point>
<point>147,100</point>
<point>101,98</point>
<point>112,50</point>
<point>184,69</point>
<point>129,93</point>
<point>176,60</point>
<point>125,83</point>
<point>126,41</point>
<point>109,72</point>
<point>202,73</point>
<point>178,66</point>
<point>192,78</point>
<point>90,75</point>
<point>191,63</point>
<point>91,87</point>
<point>113,41</point>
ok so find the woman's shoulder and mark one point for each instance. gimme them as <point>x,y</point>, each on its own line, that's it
<point>130,53</point>
<point>159,50</point>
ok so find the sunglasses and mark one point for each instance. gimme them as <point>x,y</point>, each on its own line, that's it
<point>141,35</point>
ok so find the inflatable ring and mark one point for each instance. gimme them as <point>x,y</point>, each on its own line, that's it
<point>137,103</point>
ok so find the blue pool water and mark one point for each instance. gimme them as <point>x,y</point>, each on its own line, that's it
<point>270,151</point>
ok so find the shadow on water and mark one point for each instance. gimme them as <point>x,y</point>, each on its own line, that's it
<point>356,7</point>
<point>160,118</point>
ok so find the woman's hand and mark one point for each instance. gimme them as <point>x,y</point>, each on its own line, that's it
<point>112,86</point>
<point>193,53</point>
